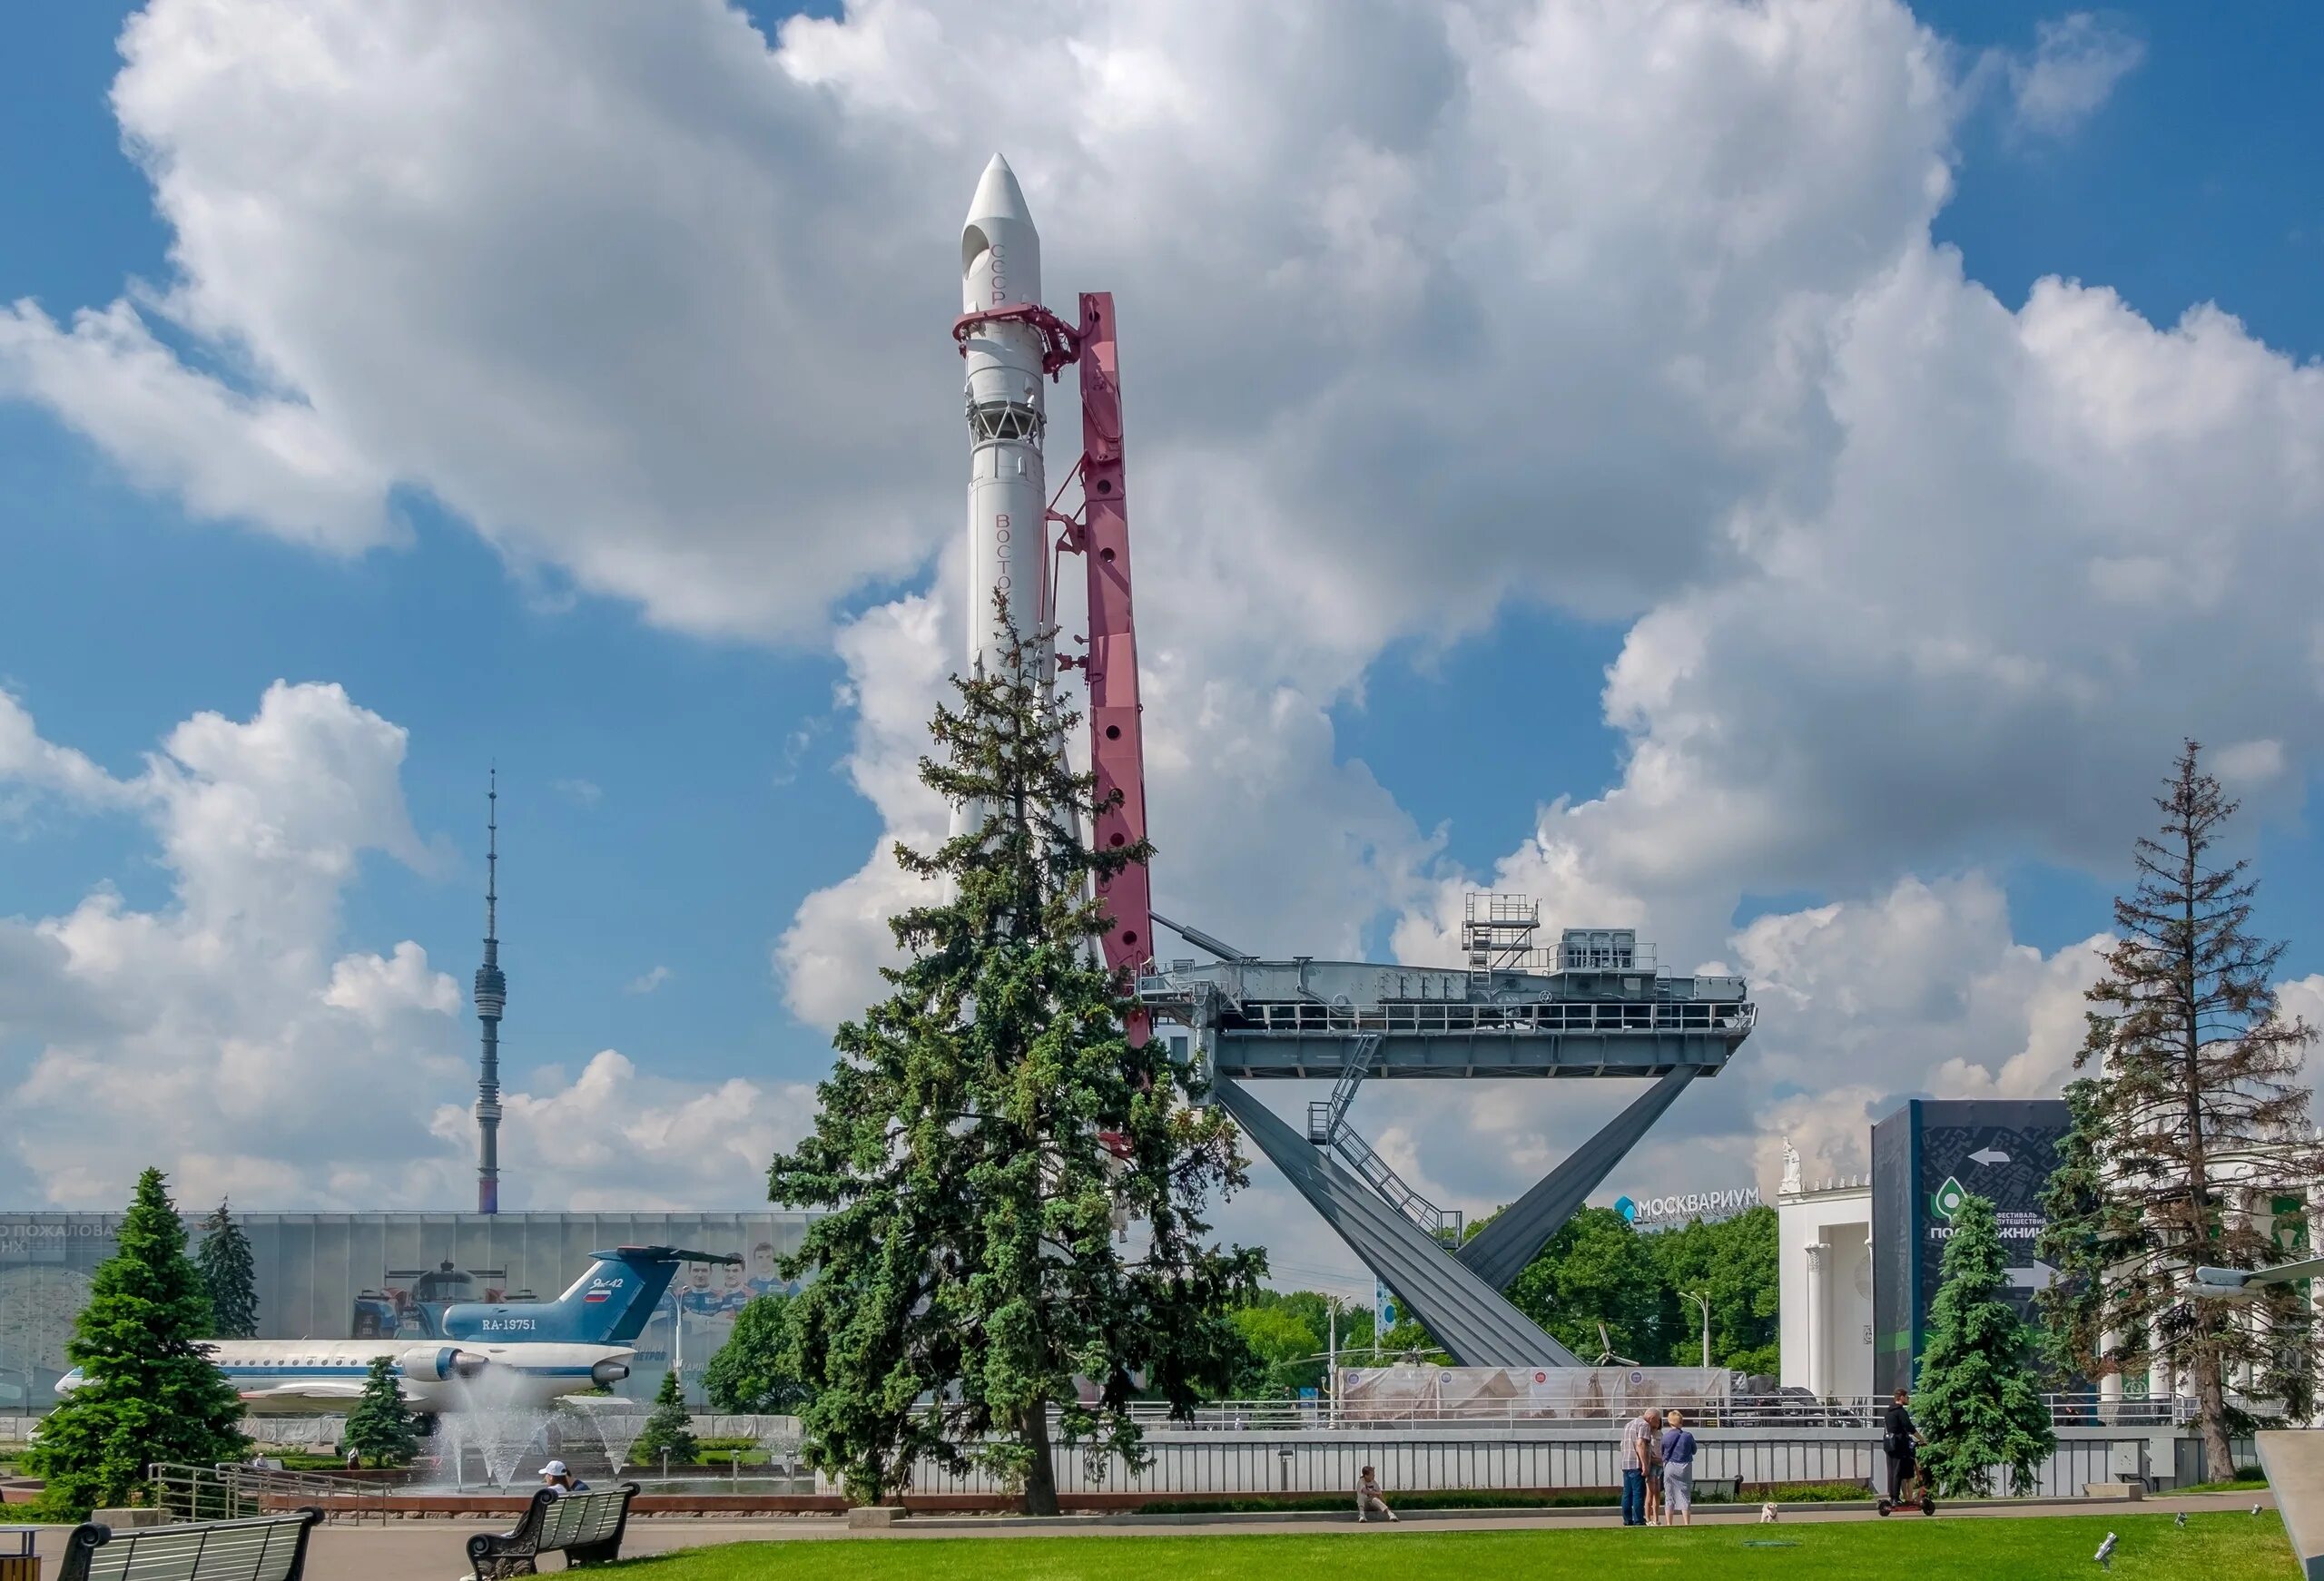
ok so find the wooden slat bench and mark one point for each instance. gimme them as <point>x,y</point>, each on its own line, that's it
<point>270,1549</point>
<point>585,1527</point>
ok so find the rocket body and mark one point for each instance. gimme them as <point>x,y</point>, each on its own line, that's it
<point>1000,266</point>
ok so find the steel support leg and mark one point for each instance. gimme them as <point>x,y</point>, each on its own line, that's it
<point>1472,1320</point>
<point>1499,1253</point>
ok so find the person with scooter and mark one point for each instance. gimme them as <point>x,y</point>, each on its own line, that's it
<point>1902,1439</point>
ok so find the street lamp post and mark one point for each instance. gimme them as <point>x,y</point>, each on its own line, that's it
<point>1702,1299</point>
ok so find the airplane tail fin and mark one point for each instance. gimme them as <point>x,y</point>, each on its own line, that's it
<point>608,1305</point>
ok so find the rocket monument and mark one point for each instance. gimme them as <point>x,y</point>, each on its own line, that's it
<point>1000,268</point>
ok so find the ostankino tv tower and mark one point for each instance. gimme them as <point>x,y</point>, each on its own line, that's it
<point>491,1000</point>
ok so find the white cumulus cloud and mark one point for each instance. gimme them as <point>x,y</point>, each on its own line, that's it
<point>1433,315</point>
<point>2076,62</point>
<point>230,1037</point>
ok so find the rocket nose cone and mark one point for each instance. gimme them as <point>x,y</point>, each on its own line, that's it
<point>998,197</point>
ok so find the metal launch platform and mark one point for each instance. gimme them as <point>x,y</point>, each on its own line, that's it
<point>1594,1006</point>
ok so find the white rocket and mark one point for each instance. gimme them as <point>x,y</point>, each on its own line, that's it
<point>1000,267</point>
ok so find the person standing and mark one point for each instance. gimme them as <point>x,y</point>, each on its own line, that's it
<point>1653,1447</point>
<point>1638,1453</point>
<point>1368,1498</point>
<point>1901,1438</point>
<point>1678,1472</point>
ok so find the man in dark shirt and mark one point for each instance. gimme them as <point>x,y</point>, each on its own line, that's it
<point>1899,1437</point>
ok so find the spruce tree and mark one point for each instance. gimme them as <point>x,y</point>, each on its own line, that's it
<point>1978,1402</point>
<point>669,1430</point>
<point>2198,1119</point>
<point>980,1129</point>
<point>379,1428</point>
<point>230,1276</point>
<point>148,1393</point>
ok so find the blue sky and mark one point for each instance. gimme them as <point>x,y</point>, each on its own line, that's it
<point>673,794</point>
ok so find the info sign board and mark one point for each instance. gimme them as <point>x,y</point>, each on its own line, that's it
<point>1926,1158</point>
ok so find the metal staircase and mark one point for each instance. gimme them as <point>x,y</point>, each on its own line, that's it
<point>1444,1224</point>
<point>1327,1127</point>
<point>1324,1117</point>
<point>1497,935</point>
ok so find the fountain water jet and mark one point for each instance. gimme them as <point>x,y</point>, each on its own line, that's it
<point>616,1421</point>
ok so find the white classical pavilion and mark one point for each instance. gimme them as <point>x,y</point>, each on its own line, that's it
<point>1824,1238</point>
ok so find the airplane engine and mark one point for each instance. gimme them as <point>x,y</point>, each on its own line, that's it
<point>438,1363</point>
<point>606,1374</point>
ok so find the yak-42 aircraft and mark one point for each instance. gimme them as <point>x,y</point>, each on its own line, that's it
<point>519,1353</point>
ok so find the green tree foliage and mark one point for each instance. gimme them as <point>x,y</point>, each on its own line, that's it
<point>230,1276</point>
<point>379,1428</point>
<point>1285,1353</point>
<point>1734,1262</point>
<point>980,1129</point>
<point>753,1373</point>
<point>669,1432</point>
<point>1279,1364</point>
<point>1978,1401</point>
<point>1598,1270</point>
<point>2196,1119</point>
<point>2082,1222</point>
<point>149,1392</point>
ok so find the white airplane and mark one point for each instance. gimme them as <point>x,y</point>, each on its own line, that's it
<point>520,1353</point>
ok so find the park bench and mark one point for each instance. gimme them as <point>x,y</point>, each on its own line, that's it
<point>585,1527</point>
<point>268,1548</point>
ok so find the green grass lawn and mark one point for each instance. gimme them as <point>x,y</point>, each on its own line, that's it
<point>2211,1547</point>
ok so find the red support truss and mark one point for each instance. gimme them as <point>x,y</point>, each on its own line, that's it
<point>1117,750</point>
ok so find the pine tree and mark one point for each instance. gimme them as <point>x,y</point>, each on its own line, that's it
<point>979,1131</point>
<point>1978,1403</point>
<point>669,1430</point>
<point>230,1276</point>
<point>2198,1120</point>
<point>148,1393</point>
<point>752,1374</point>
<point>379,1428</point>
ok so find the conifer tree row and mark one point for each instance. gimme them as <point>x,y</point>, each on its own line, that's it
<point>977,1134</point>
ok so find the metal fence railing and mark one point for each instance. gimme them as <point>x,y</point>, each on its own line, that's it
<point>233,1492</point>
<point>1229,1465</point>
<point>2076,1410</point>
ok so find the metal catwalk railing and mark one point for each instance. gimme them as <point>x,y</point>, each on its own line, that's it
<point>1305,1019</point>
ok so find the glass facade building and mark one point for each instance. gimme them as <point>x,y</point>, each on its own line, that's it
<point>339,1276</point>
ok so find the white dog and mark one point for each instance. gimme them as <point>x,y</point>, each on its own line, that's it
<point>1768,1513</point>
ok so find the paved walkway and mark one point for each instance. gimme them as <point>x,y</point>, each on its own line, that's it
<point>435,1550</point>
